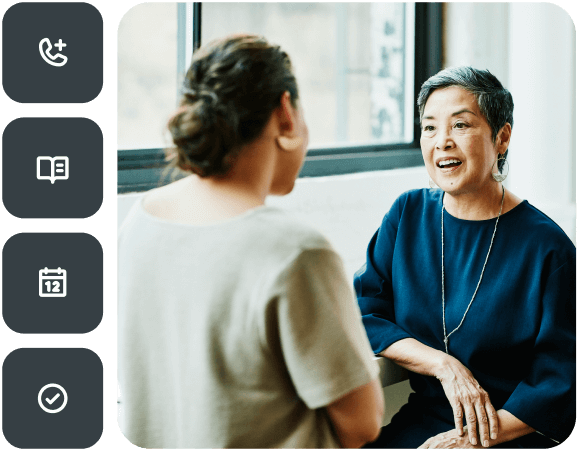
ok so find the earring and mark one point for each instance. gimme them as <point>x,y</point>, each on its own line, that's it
<point>289,144</point>
<point>432,184</point>
<point>499,176</point>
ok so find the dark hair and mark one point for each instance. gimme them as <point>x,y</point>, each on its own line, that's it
<point>229,93</point>
<point>495,102</point>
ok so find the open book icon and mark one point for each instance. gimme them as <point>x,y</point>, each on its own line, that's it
<point>52,168</point>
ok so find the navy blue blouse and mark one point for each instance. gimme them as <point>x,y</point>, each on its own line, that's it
<point>518,338</point>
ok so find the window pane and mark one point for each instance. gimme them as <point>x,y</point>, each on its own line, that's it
<point>147,74</point>
<point>353,62</point>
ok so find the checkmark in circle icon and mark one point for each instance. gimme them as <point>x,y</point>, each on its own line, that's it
<point>54,398</point>
<point>51,401</point>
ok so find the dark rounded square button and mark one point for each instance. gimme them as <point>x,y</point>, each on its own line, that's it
<point>52,52</point>
<point>52,283</point>
<point>52,398</point>
<point>52,167</point>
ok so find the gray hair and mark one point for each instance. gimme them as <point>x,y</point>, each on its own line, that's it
<point>494,101</point>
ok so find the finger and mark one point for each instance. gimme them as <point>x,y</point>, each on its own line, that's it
<point>471,417</point>
<point>493,419</point>
<point>483,424</point>
<point>458,416</point>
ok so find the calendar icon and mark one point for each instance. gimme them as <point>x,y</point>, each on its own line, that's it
<point>52,283</point>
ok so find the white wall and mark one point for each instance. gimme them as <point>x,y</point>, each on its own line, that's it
<point>542,82</point>
<point>531,48</point>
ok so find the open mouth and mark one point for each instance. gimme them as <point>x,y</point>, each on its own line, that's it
<point>450,163</point>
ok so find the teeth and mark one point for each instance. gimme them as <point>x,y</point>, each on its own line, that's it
<point>446,162</point>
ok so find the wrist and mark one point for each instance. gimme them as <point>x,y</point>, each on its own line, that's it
<point>441,363</point>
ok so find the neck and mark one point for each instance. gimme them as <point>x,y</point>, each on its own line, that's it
<point>234,192</point>
<point>247,184</point>
<point>478,205</point>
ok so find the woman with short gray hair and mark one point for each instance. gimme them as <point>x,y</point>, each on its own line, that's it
<point>472,288</point>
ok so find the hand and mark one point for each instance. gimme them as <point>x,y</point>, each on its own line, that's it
<point>469,398</point>
<point>449,439</point>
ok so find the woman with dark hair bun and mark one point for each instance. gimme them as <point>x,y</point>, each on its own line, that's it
<point>237,327</point>
<point>471,288</point>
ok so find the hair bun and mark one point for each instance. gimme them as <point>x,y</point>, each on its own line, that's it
<point>202,93</point>
<point>231,88</point>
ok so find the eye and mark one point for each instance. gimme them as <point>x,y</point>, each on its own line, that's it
<point>428,128</point>
<point>460,125</point>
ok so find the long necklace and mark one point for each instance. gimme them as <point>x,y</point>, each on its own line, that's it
<point>446,337</point>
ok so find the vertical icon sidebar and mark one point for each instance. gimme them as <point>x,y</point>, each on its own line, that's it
<point>52,168</point>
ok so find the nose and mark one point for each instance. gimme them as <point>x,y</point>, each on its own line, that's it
<point>444,140</point>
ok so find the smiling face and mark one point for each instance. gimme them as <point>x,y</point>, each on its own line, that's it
<point>456,142</point>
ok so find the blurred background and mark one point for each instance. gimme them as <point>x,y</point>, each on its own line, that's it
<point>359,66</point>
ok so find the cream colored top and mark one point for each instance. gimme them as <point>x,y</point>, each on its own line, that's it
<point>235,334</point>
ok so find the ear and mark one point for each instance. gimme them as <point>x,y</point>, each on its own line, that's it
<point>289,144</point>
<point>503,138</point>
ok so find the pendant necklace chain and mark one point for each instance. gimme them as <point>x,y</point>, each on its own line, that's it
<point>446,337</point>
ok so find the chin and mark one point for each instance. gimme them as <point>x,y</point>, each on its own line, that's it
<point>452,190</point>
<point>283,190</point>
<point>289,189</point>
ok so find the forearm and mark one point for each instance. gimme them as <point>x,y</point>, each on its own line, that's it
<point>420,358</point>
<point>510,428</point>
<point>416,356</point>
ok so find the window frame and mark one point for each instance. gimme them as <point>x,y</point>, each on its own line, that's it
<point>144,169</point>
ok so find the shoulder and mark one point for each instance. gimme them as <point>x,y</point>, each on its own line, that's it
<point>545,236</point>
<point>537,222</point>
<point>132,220</point>
<point>279,231</point>
<point>288,250</point>
<point>538,225</point>
<point>414,201</point>
<point>423,196</point>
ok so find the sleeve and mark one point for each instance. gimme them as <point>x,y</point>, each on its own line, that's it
<point>321,336</point>
<point>545,399</point>
<point>374,284</point>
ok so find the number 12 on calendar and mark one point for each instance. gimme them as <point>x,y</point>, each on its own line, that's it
<point>52,283</point>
